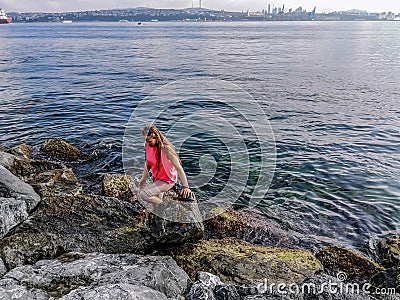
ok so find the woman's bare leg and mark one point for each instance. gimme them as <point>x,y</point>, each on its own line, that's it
<point>153,193</point>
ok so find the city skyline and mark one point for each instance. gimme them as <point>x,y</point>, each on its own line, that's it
<point>230,5</point>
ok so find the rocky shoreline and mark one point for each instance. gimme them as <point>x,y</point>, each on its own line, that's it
<point>60,241</point>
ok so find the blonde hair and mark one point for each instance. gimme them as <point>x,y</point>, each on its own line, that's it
<point>161,142</point>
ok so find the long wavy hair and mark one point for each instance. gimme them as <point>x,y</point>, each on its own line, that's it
<point>161,141</point>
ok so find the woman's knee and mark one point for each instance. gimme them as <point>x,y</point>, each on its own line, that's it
<point>144,195</point>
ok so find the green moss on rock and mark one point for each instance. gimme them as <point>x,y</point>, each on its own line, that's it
<point>59,148</point>
<point>116,185</point>
<point>21,151</point>
<point>223,221</point>
<point>337,259</point>
<point>238,262</point>
<point>390,252</point>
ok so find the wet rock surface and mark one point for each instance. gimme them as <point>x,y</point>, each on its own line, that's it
<point>338,259</point>
<point>60,149</point>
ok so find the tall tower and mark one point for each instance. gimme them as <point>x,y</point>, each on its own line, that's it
<point>200,3</point>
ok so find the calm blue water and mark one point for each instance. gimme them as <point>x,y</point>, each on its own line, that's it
<point>331,91</point>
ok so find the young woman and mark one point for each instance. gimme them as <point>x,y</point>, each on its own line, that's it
<point>164,164</point>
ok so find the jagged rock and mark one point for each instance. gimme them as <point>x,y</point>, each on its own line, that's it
<point>75,274</point>
<point>337,259</point>
<point>7,160</point>
<point>11,289</point>
<point>24,168</point>
<point>55,183</point>
<point>250,226</point>
<point>17,199</point>
<point>3,268</point>
<point>116,291</point>
<point>60,149</point>
<point>389,278</point>
<point>48,178</point>
<point>223,222</point>
<point>237,262</point>
<point>117,185</point>
<point>203,288</point>
<point>175,223</point>
<point>76,223</point>
<point>389,252</point>
<point>23,151</point>
<point>12,213</point>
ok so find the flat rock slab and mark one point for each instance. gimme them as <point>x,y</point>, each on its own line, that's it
<point>239,263</point>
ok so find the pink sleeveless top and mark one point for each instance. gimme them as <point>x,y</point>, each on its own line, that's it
<point>167,171</point>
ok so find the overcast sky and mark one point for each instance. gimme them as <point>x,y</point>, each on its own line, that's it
<point>233,5</point>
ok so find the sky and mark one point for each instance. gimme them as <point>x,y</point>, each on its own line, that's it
<point>230,5</point>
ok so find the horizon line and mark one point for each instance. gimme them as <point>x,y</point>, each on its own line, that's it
<point>202,8</point>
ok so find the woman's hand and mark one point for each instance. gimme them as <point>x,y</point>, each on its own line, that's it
<point>186,192</point>
<point>142,183</point>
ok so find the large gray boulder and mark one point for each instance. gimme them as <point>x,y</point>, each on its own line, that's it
<point>12,187</point>
<point>88,276</point>
<point>116,291</point>
<point>17,199</point>
<point>11,289</point>
<point>76,223</point>
<point>175,223</point>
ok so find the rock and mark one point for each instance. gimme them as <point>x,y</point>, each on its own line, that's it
<point>27,248</point>
<point>203,288</point>
<point>115,291</point>
<point>226,292</point>
<point>3,268</point>
<point>23,151</point>
<point>387,279</point>
<point>12,213</point>
<point>223,222</point>
<point>76,223</point>
<point>389,252</point>
<point>24,168</point>
<point>11,289</point>
<point>323,287</point>
<point>48,178</point>
<point>117,185</point>
<point>60,149</point>
<point>1,148</point>
<point>12,187</point>
<point>250,226</point>
<point>56,182</point>
<point>77,274</point>
<point>7,160</point>
<point>239,263</point>
<point>175,223</point>
<point>17,199</point>
<point>337,259</point>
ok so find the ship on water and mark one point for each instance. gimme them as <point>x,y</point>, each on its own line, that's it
<point>3,17</point>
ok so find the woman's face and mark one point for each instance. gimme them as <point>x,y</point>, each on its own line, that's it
<point>151,140</point>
